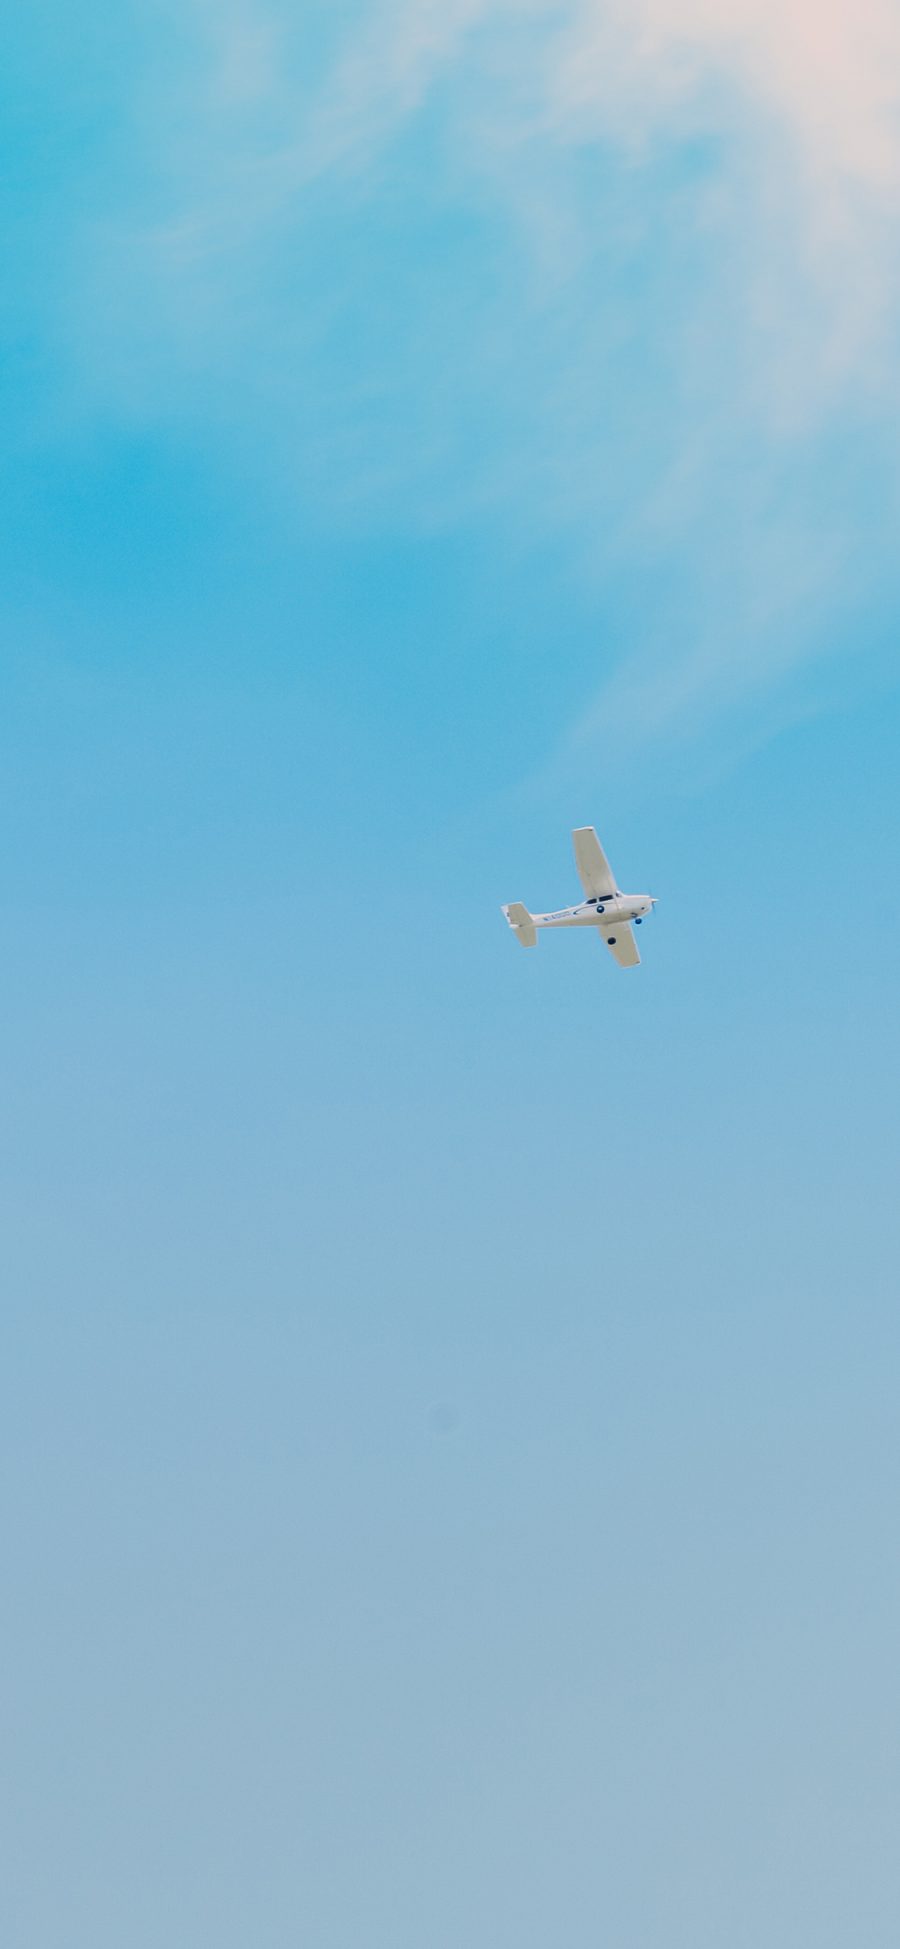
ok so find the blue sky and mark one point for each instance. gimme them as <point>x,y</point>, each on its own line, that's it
<point>449,1395</point>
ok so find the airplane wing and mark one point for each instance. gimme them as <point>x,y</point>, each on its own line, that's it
<point>622,944</point>
<point>594,870</point>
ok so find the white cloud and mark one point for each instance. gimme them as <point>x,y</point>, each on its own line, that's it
<point>704,196</point>
<point>806,96</point>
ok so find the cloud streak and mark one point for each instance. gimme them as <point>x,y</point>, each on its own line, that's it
<point>694,319</point>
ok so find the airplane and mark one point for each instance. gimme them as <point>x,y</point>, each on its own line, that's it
<point>603,906</point>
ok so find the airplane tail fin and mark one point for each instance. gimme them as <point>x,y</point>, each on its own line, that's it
<point>521,923</point>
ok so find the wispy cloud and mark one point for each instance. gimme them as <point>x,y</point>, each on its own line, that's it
<point>693,320</point>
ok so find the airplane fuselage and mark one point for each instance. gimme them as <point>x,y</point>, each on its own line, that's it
<point>619,907</point>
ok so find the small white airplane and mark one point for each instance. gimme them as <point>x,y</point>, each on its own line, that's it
<point>603,906</point>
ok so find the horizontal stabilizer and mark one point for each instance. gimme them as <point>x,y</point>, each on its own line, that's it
<point>521,923</point>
